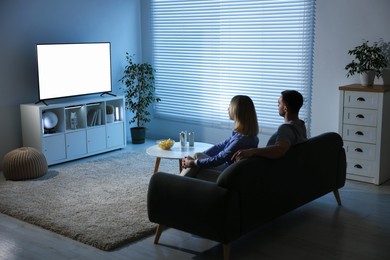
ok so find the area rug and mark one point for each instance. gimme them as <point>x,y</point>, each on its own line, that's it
<point>101,203</point>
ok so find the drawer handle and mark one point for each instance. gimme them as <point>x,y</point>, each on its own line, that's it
<point>359,150</point>
<point>359,133</point>
<point>360,99</point>
<point>358,166</point>
<point>359,116</point>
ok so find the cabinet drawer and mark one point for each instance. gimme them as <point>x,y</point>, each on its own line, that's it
<point>357,116</point>
<point>361,167</point>
<point>360,150</point>
<point>356,133</point>
<point>361,99</point>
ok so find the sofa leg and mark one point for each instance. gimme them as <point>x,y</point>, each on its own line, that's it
<point>158,233</point>
<point>226,251</point>
<point>337,196</point>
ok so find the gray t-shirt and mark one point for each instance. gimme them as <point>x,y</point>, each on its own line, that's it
<point>291,132</point>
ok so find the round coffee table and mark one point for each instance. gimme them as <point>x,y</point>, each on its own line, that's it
<point>176,152</point>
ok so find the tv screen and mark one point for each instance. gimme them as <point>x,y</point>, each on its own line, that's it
<point>71,69</point>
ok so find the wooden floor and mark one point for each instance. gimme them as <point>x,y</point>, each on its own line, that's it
<point>360,229</point>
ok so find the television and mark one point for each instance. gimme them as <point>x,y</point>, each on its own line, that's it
<point>73,69</point>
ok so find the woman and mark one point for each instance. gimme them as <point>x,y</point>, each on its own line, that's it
<point>242,112</point>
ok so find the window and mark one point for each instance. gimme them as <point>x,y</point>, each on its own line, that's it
<point>205,52</point>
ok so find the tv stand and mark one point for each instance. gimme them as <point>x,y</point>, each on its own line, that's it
<point>83,128</point>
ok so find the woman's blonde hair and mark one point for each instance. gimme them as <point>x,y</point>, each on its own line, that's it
<point>243,112</point>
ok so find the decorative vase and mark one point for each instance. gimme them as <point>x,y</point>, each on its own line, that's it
<point>367,78</point>
<point>138,135</point>
<point>49,119</point>
<point>73,120</point>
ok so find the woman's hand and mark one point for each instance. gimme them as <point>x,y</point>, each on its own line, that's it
<point>187,162</point>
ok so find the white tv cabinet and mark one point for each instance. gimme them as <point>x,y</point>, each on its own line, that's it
<point>88,132</point>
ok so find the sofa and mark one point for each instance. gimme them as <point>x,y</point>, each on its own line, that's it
<point>249,193</point>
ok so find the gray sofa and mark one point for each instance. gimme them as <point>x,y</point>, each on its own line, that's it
<point>248,193</point>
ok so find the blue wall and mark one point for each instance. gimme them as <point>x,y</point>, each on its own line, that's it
<point>340,25</point>
<point>23,23</point>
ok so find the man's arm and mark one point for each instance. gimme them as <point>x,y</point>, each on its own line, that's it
<point>271,152</point>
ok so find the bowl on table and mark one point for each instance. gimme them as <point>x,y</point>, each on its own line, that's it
<point>166,144</point>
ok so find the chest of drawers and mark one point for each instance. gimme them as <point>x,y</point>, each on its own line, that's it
<point>364,124</point>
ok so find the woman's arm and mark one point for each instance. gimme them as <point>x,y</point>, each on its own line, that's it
<point>235,143</point>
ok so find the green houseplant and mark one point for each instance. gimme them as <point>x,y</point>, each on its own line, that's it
<point>139,90</point>
<point>368,62</point>
<point>385,46</point>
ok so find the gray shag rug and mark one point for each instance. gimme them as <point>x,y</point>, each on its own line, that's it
<point>101,203</point>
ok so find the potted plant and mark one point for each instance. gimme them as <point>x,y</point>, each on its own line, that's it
<point>368,62</point>
<point>110,113</point>
<point>385,47</point>
<point>139,89</point>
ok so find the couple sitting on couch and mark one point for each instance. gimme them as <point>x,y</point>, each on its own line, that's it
<point>244,141</point>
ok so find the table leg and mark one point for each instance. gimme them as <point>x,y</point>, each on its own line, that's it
<point>158,159</point>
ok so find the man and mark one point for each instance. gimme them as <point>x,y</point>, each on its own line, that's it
<point>291,132</point>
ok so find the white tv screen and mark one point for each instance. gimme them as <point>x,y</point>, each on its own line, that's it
<point>66,70</point>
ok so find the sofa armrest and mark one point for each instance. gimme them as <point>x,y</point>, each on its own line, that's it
<point>195,206</point>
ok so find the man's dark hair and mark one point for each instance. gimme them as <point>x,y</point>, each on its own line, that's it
<point>293,100</point>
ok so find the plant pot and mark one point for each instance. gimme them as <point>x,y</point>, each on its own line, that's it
<point>110,118</point>
<point>138,135</point>
<point>367,78</point>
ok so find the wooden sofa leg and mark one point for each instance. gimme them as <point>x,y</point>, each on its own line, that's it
<point>158,234</point>
<point>337,196</point>
<point>226,251</point>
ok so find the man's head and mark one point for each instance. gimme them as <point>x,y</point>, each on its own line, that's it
<point>290,101</point>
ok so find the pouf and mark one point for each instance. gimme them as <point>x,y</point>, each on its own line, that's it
<point>24,163</point>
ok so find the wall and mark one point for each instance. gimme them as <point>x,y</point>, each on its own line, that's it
<point>340,26</point>
<point>24,23</point>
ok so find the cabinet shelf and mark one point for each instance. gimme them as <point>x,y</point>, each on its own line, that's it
<point>71,130</point>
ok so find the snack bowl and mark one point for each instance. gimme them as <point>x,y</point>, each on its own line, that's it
<point>166,144</point>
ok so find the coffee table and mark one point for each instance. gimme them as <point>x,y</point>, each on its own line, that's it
<point>176,152</point>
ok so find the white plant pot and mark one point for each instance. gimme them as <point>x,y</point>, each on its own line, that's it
<point>367,78</point>
<point>110,118</point>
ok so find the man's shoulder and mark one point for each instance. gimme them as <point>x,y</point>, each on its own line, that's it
<point>286,127</point>
<point>294,130</point>
<point>293,125</point>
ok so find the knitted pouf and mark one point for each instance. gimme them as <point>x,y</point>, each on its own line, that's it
<point>24,163</point>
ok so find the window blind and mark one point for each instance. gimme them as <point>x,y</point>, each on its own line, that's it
<point>205,52</point>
